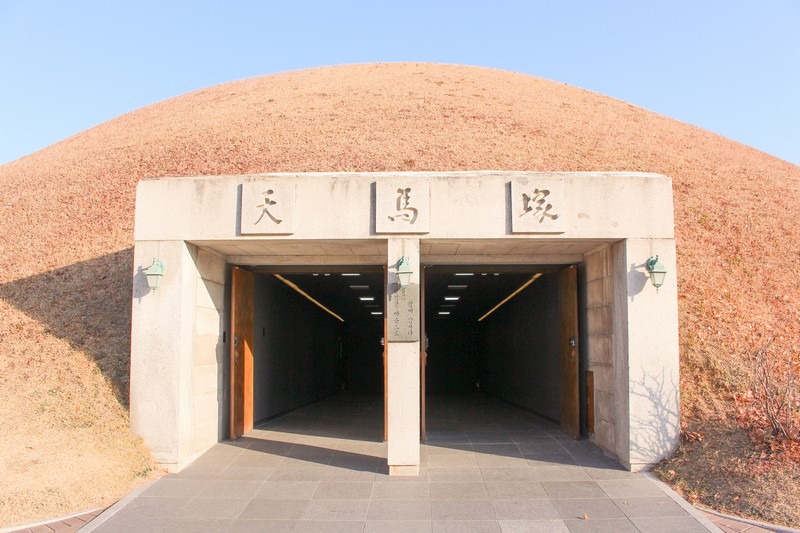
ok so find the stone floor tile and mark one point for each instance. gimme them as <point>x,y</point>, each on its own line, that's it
<point>487,437</point>
<point>157,508</point>
<point>532,435</point>
<point>128,523</point>
<point>458,490</point>
<point>610,473</point>
<point>264,509</point>
<point>169,487</point>
<point>330,526</point>
<point>451,460</point>
<point>549,459</point>
<point>577,509</point>
<point>340,473</point>
<point>247,473</point>
<point>336,510</point>
<point>343,490</point>
<point>508,474</point>
<point>397,526</point>
<point>229,488</point>
<point>261,526</point>
<point>507,490</point>
<point>271,447</point>
<point>447,437</point>
<point>684,524</point>
<point>573,489</point>
<point>462,510</point>
<point>211,525</point>
<point>525,510</point>
<point>501,449</point>
<point>262,460</point>
<point>630,488</point>
<point>455,474</point>
<point>465,526</point>
<point>448,449</point>
<point>601,525</point>
<point>297,473</point>
<point>400,491</point>
<point>399,510</point>
<point>277,470</point>
<point>202,508</point>
<point>541,446</point>
<point>287,490</point>
<point>501,461</point>
<point>559,473</point>
<point>650,507</point>
<point>533,526</point>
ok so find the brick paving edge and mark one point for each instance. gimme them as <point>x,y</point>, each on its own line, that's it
<point>697,511</point>
<point>755,523</point>
<point>23,527</point>
<point>688,507</point>
<point>114,509</point>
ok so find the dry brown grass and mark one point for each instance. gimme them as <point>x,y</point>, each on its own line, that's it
<point>67,217</point>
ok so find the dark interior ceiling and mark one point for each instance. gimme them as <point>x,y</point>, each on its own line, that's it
<point>347,291</point>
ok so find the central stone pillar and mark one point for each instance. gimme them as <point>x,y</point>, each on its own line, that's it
<point>402,360</point>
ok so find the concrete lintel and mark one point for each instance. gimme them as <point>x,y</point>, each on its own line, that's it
<point>265,260</point>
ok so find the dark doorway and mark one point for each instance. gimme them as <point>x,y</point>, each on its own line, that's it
<point>316,333</point>
<point>501,331</point>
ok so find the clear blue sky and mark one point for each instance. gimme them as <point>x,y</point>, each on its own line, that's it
<point>729,66</point>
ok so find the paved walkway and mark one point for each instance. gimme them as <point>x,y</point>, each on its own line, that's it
<point>487,467</point>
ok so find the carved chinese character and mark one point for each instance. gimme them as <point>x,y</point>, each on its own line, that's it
<point>537,205</point>
<point>405,213</point>
<point>268,202</point>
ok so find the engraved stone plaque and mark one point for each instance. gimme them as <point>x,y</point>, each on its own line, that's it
<point>402,206</point>
<point>402,313</point>
<point>537,206</point>
<point>267,208</point>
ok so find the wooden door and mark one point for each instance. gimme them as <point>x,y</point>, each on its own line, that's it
<point>423,357</point>
<point>568,313</point>
<point>241,352</point>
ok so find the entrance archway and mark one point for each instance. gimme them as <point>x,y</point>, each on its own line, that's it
<point>608,224</point>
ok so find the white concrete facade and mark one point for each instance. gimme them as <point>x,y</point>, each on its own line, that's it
<point>607,223</point>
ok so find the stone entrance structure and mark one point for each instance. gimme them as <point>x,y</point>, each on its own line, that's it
<point>190,386</point>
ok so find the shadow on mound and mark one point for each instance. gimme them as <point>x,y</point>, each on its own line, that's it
<point>87,304</point>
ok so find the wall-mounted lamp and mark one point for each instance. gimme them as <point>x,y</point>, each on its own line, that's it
<point>404,272</point>
<point>656,270</point>
<point>154,273</point>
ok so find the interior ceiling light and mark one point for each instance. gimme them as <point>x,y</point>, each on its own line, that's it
<point>444,312</point>
<point>376,313</point>
<point>507,298</point>
<point>359,287</point>
<point>464,273</point>
<point>350,274</point>
<point>367,298</point>
<point>457,287</point>
<point>308,297</point>
<point>452,298</point>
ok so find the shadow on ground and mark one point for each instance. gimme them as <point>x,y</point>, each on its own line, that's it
<point>87,304</point>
